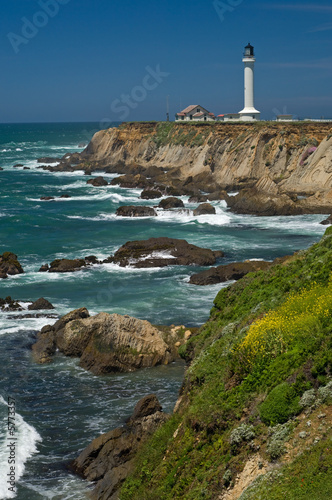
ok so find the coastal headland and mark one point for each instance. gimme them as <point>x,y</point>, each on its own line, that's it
<point>277,168</point>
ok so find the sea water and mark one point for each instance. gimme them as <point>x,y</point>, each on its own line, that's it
<point>60,407</point>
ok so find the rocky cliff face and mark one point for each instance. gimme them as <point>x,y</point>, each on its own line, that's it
<point>294,158</point>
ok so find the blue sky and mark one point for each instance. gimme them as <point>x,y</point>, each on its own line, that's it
<point>108,60</point>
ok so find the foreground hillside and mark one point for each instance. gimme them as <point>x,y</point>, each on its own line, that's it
<point>279,168</point>
<point>254,417</point>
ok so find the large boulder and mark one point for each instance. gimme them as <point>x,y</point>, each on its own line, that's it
<point>9,265</point>
<point>105,343</point>
<point>40,304</point>
<point>228,272</point>
<point>150,194</point>
<point>171,202</point>
<point>327,222</point>
<point>205,209</point>
<point>161,252</point>
<point>256,202</point>
<point>135,211</point>
<point>97,181</point>
<point>109,458</point>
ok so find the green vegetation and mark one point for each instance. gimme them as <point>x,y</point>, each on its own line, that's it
<point>257,368</point>
<point>173,133</point>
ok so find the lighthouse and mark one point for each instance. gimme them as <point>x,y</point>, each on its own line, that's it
<point>249,113</point>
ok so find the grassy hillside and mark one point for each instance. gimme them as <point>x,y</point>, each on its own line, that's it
<point>256,401</point>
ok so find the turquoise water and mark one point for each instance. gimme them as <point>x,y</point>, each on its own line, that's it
<point>61,407</point>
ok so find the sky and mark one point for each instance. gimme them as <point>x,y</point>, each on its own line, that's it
<point>123,60</point>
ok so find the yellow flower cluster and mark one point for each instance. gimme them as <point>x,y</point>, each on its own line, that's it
<point>302,314</point>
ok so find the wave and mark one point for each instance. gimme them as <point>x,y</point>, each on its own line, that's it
<point>25,447</point>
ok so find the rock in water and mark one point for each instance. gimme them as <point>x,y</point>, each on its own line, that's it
<point>106,343</point>
<point>150,194</point>
<point>161,252</point>
<point>171,202</point>
<point>327,221</point>
<point>40,304</point>
<point>135,211</point>
<point>256,202</point>
<point>98,181</point>
<point>205,209</point>
<point>109,458</point>
<point>233,271</point>
<point>9,265</point>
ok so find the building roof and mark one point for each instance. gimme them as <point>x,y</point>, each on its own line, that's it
<point>189,108</point>
<point>198,114</point>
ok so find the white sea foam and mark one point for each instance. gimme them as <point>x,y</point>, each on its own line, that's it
<point>25,447</point>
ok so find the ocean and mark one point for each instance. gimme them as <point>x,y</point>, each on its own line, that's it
<point>60,407</point>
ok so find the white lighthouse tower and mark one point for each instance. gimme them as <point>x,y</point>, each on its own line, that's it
<point>249,113</point>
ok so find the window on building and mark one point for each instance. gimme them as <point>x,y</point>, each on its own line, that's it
<point>205,118</point>
<point>198,111</point>
<point>191,117</point>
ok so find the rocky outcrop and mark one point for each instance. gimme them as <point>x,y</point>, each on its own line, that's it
<point>256,202</point>
<point>9,265</point>
<point>161,252</point>
<point>48,159</point>
<point>228,272</point>
<point>109,458</point>
<point>132,181</point>
<point>135,211</point>
<point>205,209</point>
<point>9,304</point>
<point>40,304</point>
<point>106,343</point>
<point>97,181</point>
<point>171,202</point>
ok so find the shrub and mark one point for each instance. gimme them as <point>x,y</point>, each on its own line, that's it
<point>308,398</point>
<point>242,433</point>
<point>280,404</point>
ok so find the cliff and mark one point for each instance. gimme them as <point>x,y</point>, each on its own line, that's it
<point>290,159</point>
<point>254,416</point>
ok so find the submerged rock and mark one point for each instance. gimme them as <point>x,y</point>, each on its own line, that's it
<point>106,343</point>
<point>161,252</point>
<point>228,272</point>
<point>9,265</point>
<point>108,459</point>
<point>135,211</point>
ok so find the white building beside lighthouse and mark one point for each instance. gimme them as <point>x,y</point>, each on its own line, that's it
<point>249,113</point>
